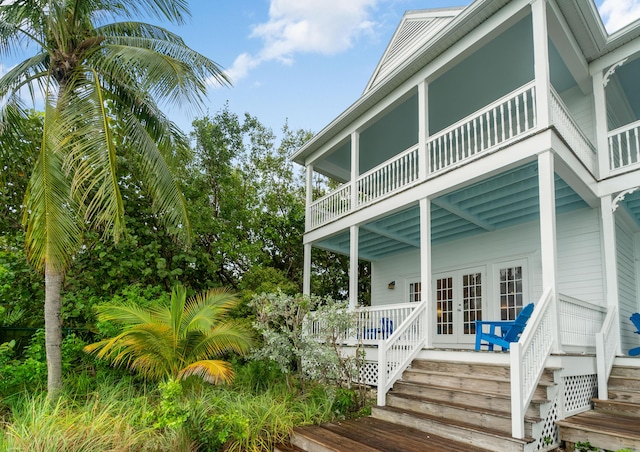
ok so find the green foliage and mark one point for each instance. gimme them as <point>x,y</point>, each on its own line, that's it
<point>284,321</point>
<point>171,412</point>
<point>174,340</point>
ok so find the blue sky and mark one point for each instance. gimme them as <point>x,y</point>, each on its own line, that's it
<point>306,60</point>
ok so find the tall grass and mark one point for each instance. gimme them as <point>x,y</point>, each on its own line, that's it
<point>111,419</point>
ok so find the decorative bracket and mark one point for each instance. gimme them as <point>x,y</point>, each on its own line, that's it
<point>611,70</point>
<point>620,197</point>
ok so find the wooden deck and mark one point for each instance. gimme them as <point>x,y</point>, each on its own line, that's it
<point>375,435</point>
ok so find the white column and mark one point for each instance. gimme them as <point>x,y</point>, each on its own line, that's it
<point>609,249</point>
<point>355,168</point>
<point>309,198</point>
<point>425,268</point>
<point>548,239</point>
<point>541,61</point>
<point>601,128</point>
<point>423,129</point>
<point>353,267</point>
<point>306,273</point>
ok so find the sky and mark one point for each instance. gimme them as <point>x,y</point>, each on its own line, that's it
<point>305,61</point>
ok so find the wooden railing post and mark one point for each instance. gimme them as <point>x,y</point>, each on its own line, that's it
<point>517,397</point>
<point>382,372</point>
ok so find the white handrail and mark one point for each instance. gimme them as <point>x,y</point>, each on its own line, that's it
<point>396,353</point>
<point>579,321</point>
<point>571,132</point>
<point>624,146</point>
<point>528,358</point>
<point>606,346</point>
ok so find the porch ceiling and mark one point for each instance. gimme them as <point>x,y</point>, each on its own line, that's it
<point>504,200</point>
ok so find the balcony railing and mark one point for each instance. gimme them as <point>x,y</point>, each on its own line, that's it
<point>624,146</point>
<point>508,119</point>
<point>579,322</point>
<point>571,133</point>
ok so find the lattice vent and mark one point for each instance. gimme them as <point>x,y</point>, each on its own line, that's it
<point>369,373</point>
<point>550,437</point>
<point>578,392</point>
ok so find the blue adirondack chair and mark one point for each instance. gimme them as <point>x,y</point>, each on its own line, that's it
<point>509,331</point>
<point>635,318</point>
<point>383,332</point>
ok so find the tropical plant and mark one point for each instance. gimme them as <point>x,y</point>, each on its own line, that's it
<point>176,340</point>
<point>100,81</point>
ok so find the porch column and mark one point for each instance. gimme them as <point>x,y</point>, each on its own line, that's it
<point>355,168</point>
<point>423,129</point>
<point>548,239</point>
<point>353,267</point>
<point>306,274</point>
<point>607,212</point>
<point>541,61</point>
<point>309,198</point>
<point>425,267</point>
<point>601,128</point>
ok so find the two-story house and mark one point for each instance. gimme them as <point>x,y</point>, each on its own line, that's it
<point>493,160</point>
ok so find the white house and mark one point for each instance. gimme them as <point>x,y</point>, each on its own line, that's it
<point>492,160</point>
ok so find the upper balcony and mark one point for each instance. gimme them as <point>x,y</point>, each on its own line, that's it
<point>510,118</point>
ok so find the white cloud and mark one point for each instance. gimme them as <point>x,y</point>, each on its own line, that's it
<point>306,26</point>
<point>618,13</point>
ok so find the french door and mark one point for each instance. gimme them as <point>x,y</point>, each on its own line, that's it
<point>459,298</point>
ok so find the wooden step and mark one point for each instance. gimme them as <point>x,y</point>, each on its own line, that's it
<point>625,371</point>
<point>626,382</point>
<point>370,434</point>
<point>485,383</point>
<point>618,407</point>
<point>478,435</point>
<point>500,420</point>
<point>624,395</point>
<point>481,399</point>
<point>473,369</point>
<point>608,431</point>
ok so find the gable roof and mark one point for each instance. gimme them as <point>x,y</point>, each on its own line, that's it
<point>416,30</point>
<point>581,15</point>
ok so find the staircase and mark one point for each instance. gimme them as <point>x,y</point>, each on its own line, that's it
<point>612,424</point>
<point>437,406</point>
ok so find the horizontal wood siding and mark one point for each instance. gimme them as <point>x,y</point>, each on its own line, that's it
<point>580,256</point>
<point>579,259</point>
<point>581,109</point>
<point>627,285</point>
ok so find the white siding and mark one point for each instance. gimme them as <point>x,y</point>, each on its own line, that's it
<point>580,272</point>
<point>581,109</point>
<point>627,285</point>
<point>579,260</point>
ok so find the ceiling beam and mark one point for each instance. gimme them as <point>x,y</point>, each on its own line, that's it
<point>390,235</point>
<point>444,204</point>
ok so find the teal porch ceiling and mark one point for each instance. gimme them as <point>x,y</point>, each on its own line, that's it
<point>505,200</point>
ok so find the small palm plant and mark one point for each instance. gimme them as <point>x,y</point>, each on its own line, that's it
<point>175,341</point>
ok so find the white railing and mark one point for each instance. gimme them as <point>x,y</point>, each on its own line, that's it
<point>571,133</point>
<point>528,357</point>
<point>388,177</point>
<point>371,323</point>
<point>507,118</point>
<point>331,206</point>
<point>379,322</point>
<point>579,322</point>
<point>397,352</point>
<point>624,146</point>
<point>607,342</point>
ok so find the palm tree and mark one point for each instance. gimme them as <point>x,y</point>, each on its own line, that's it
<point>175,341</point>
<point>95,66</point>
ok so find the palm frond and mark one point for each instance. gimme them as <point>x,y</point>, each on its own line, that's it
<point>53,227</point>
<point>128,314</point>
<point>211,371</point>
<point>225,337</point>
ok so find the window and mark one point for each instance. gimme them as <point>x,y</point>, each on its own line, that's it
<point>471,301</point>
<point>511,292</point>
<point>415,292</point>
<point>444,305</point>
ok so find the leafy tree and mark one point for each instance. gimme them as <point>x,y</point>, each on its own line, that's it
<point>175,340</point>
<point>100,81</point>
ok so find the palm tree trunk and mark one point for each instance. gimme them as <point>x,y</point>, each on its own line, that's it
<point>53,329</point>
